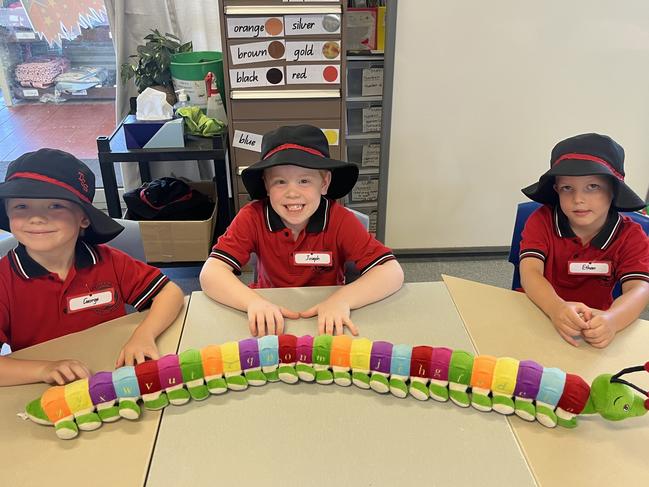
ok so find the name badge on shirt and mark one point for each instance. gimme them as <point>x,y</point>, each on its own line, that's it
<point>601,268</point>
<point>80,302</point>
<point>320,259</point>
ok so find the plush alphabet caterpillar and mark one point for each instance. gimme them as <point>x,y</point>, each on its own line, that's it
<point>505,385</point>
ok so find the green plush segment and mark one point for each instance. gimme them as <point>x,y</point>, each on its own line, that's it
<point>178,396</point>
<point>322,349</point>
<point>525,410</point>
<point>129,410</point>
<point>460,367</point>
<point>546,416</point>
<point>35,410</point>
<point>361,379</point>
<point>88,422</point>
<point>342,378</point>
<point>161,402</point>
<point>199,393</point>
<point>481,400</point>
<point>437,392</point>
<point>324,376</point>
<point>503,404</point>
<point>256,377</point>
<point>380,381</point>
<point>306,372</point>
<point>66,430</point>
<point>567,423</point>
<point>398,387</point>
<point>191,365</point>
<point>237,382</point>
<point>461,398</point>
<point>272,376</point>
<point>217,386</point>
<point>108,414</point>
<point>419,390</point>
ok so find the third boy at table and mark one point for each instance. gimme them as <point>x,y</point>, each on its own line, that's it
<point>577,246</point>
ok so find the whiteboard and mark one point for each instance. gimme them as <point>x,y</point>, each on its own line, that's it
<point>482,92</point>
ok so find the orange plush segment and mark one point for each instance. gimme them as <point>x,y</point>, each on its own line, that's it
<point>212,360</point>
<point>340,351</point>
<point>54,404</point>
<point>483,370</point>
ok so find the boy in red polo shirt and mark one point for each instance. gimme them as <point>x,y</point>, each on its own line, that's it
<point>577,246</point>
<point>59,279</point>
<point>301,236</point>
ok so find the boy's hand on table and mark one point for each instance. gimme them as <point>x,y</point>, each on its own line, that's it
<point>570,319</point>
<point>139,347</point>
<point>333,316</point>
<point>61,372</point>
<point>601,329</point>
<point>266,318</point>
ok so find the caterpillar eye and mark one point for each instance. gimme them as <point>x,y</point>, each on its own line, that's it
<point>626,408</point>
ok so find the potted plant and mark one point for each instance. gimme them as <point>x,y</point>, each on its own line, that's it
<point>153,59</point>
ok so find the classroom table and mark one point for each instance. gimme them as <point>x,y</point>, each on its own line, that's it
<point>309,434</point>
<point>598,452</point>
<point>115,454</point>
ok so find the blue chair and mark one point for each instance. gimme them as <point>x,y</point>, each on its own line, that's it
<point>523,213</point>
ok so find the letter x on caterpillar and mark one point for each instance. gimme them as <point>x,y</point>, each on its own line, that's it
<point>506,385</point>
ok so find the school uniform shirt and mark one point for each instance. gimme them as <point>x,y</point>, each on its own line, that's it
<point>619,252</point>
<point>36,305</point>
<point>333,236</point>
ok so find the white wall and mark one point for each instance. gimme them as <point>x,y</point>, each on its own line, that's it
<point>483,90</point>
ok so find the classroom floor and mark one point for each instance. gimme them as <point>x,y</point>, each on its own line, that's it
<point>69,126</point>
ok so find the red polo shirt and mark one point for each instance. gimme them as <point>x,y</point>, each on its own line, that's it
<point>36,305</point>
<point>619,252</point>
<point>332,233</point>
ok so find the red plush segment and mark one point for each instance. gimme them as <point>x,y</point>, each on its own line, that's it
<point>575,394</point>
<point>646,366</point>
<point>148,378</point>
<point>287,349</point>
<point>420,365</point>
<point>646,404</point>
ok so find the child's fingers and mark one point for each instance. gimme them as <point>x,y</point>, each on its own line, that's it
<point>279,321</point>
<point>120,359</point>
<point>252,325</point>
<point>338,326</point>
<point>153,354</point>
<point>139,357</point>
<point>290,314</point>
<point>56,378</point>
<point>568,338</point>
<point>310,313</point>
<point>80,371</point>
<point>352,327</point>
<point>329,325</point>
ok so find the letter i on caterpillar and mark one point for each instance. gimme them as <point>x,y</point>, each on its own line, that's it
<point>506,385</point>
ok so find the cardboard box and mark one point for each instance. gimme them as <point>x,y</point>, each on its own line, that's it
<point>153,134</point>
<point>180,241</point>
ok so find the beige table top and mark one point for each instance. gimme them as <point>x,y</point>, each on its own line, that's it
<point>115,454</point>
<point>598,452</point>
<point>329,435</point>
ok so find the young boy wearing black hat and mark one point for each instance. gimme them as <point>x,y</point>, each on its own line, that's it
<point>59,279</point>
<point>301,236</point>
<point>577,246</point>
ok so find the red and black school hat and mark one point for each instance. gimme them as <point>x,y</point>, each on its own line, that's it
<point>585,155</point>
<point>304,146</point>
<point>55,174</point>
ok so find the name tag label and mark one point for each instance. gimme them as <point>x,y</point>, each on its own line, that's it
<point>101,298</point>
<point>596,268</point>
<point>319,259</point>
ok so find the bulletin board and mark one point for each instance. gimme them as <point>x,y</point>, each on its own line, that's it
<point>481,93</point>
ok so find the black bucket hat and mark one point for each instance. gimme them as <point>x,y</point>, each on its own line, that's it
<point>585,155</point>
<point>55,174</point>
<point>304,146</point>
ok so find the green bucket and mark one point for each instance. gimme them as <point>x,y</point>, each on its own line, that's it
<point>188,71</point>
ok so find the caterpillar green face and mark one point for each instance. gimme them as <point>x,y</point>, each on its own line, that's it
<point>615,401</point>
<point>36,413</point>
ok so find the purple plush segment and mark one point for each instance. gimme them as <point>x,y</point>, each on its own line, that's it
<point>440,361</point>
<point>169,370</point>
<point>249,353</point>
<point>381,357</point>
<point>305,349</point>
<point>101,388</point>
<point>529,379</point>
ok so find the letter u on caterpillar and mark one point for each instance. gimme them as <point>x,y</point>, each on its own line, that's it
<point>506,385</point>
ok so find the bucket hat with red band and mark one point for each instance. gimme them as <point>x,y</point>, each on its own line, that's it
<point>51,173</point>
<point>304,146</point>
<point>585,155</point>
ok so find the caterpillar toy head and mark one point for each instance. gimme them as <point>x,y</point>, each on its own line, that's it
<point>614,399</point>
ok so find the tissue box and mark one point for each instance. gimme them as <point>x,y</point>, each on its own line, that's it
<point>153,134</point>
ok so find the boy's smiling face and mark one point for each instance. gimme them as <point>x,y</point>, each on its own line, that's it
<point>45,225</point>
<point>585,200</point>
<point>295,192</point>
